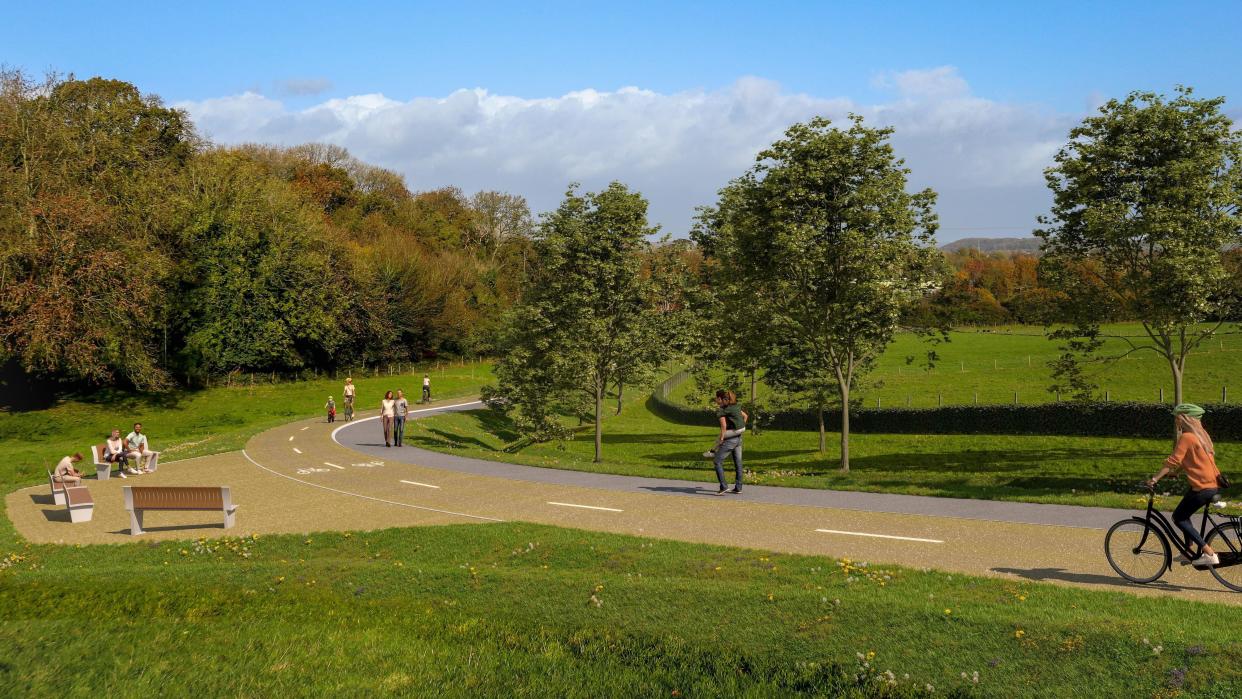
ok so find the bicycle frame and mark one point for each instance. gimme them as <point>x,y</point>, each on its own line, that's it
<point>1171,532</point>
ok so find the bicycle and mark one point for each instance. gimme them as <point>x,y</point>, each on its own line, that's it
<point>1138,547</point>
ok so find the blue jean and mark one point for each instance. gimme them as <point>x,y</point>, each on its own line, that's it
<point>1191,502</point>
<point>398,430</point>
<point>732,445</point>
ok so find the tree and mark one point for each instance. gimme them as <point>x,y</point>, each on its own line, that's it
<point>1146,202</point>
<point>587,320</point>
<point>87,171</point>
<point>499,218</point>
<point>824,233</point>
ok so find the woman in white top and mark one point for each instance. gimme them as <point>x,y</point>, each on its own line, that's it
<point>115,452</point>
<point>388,410</point>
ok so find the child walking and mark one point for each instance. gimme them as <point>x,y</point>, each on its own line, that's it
<point>331,407</point>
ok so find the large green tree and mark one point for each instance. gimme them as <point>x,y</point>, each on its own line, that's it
<point>588,318</point>
<point>824,233</point>
<point>1147,199</point>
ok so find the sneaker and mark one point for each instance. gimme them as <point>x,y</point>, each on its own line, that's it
<point>735,491</point>
<point>1206,560</point>
<point>132,471</point>
<point>722,491</point>
<point>121,474</point>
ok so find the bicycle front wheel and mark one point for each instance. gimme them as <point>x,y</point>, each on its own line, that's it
<point>1137,551</point>
<point>1226,541</point>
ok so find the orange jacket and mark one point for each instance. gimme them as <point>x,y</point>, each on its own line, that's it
<point>1199,465</point>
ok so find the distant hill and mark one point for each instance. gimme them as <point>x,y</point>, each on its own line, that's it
<point>1025,244</point>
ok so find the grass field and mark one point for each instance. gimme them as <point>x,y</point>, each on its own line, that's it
<point>525,610</point>
<point>183,424</point>
<point>1096,471</point>
<point>994,363</point>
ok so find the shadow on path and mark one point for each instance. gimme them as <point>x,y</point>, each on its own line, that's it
<point>1046,574</point>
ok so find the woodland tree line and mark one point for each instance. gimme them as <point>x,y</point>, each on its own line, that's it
<point>135,253</point>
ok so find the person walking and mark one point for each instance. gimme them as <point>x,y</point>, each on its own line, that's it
<point>402,411</point>
<point>426,388</point>
<point>347,395</point>
<point>388,410</point>
<point>1195,455</point>
<point>330,406</point>
<point>730,418</point>
<point>114,452</point>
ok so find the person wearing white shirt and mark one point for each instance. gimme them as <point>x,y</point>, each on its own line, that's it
<point>66,473</point>
<point>388,411</point>
<point>136,444</point>
<point>116,453</point>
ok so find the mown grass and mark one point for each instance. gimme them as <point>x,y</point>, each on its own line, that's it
<point>1091,471</point>
<point>527,610</point>
<point>995,363</point>
<point>183,424</point>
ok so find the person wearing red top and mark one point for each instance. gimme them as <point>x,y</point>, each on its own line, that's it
<point>1196,457</point>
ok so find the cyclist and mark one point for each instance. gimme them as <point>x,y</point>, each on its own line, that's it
<point>1195,455</point>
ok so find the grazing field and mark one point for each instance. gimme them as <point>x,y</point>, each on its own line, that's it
<point>1095,471</point>
<point>994,363</point>
<point>184,424</point>
<point>526,610</point>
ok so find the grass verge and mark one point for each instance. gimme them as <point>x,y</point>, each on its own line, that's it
<point>527,610</point>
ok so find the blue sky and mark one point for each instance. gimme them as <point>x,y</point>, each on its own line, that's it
<point>969,86</point>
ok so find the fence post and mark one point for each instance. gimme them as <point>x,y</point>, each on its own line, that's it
<point>1161,389</point>
<point>907,400</point>
<point>1028,360</point>
<point>1015,397</point>
<point>877,403</point>
<point>963,367</point>
<point>1107,396</point>
<point>1058,396</point>
<point>939,400</point>
<point>976,398</point>
<point>1224,395</point>
<point>994,364</point>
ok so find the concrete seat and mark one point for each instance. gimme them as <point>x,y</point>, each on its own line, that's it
<point>80,503</point>
<point>140,499</point>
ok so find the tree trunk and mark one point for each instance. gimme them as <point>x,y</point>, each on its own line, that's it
<point>1177,369</point>
<point>845,430</point>
<point>620,390</point>
<point>754,421</point>
<point>823,444</point>
<point>599,423</point>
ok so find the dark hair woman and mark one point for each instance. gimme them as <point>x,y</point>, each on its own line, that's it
<point>388,411</point>
<point>732,422</point>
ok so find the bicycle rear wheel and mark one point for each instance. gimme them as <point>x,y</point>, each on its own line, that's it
<point>1137,551</point>
<point>1226,540</point>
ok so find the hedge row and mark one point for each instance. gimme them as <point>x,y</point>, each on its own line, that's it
<point>1094,419</point>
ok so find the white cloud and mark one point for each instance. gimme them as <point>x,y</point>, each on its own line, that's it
<point>985,157</point>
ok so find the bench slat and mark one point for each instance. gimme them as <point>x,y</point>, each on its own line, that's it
<point>177,498</point>
<point>78,496</point>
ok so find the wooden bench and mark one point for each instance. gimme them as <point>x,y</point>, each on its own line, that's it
<point>58,489</point>
<point>103,469</point>
<point>80,503</point>
<point>140,499</point>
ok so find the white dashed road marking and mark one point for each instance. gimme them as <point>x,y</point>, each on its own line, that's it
<point>585,507</point>
<point>303,429</point>
<point>425,485</point>
<point>290,438</point>
<point>881,536</point>
<point>333,465</point>
<point>297,451</point>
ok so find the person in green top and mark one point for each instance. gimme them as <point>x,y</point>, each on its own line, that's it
<point>732,420</point>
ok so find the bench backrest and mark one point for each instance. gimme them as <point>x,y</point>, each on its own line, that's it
<point>97,452</point>
<point>55,483</point>
<point>176,498</point>
<point>80,495</point>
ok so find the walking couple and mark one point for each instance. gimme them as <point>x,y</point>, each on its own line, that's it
<point>732,422</point>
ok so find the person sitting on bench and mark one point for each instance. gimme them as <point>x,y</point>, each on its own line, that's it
<point>136,443</point>
<point>66,473</point>
<point>115,453</point>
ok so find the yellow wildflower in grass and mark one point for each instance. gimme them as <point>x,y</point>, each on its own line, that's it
<point>948,611</point>
<point>1019,633</point>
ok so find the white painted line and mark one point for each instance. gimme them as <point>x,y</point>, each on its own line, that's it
<point>290,438</point>
<point>326,463</point>
<point>881,536</point>
<point>425,485</point>
<point>297,451</point>
<point>303,429</point>
<point>366,497</point>
<point>585,507</point>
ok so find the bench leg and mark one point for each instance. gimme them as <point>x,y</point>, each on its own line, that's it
<point>230,518</point>
<point>58,497</point>
<point>135,522</point>
<point>153,463</point>
<point>81,514</point>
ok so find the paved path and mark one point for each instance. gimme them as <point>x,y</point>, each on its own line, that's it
<point>299,478</point>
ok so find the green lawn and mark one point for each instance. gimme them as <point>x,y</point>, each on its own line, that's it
<point>526,610</point>
<point>996,362</point>
<point>1099,471</point>
<point>183,424</point>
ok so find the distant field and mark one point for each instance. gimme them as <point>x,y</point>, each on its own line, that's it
<point>991,364</point>
<point>505,610</point>
<point>183,424</point>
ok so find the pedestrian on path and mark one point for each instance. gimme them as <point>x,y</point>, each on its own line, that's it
<point>347,395</point>
<point>732,420</point>
<point>330,406</point>
<point>426,388</point>
<point>402,411</point>
<point>1195,455</point>
<point>388,410</point>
